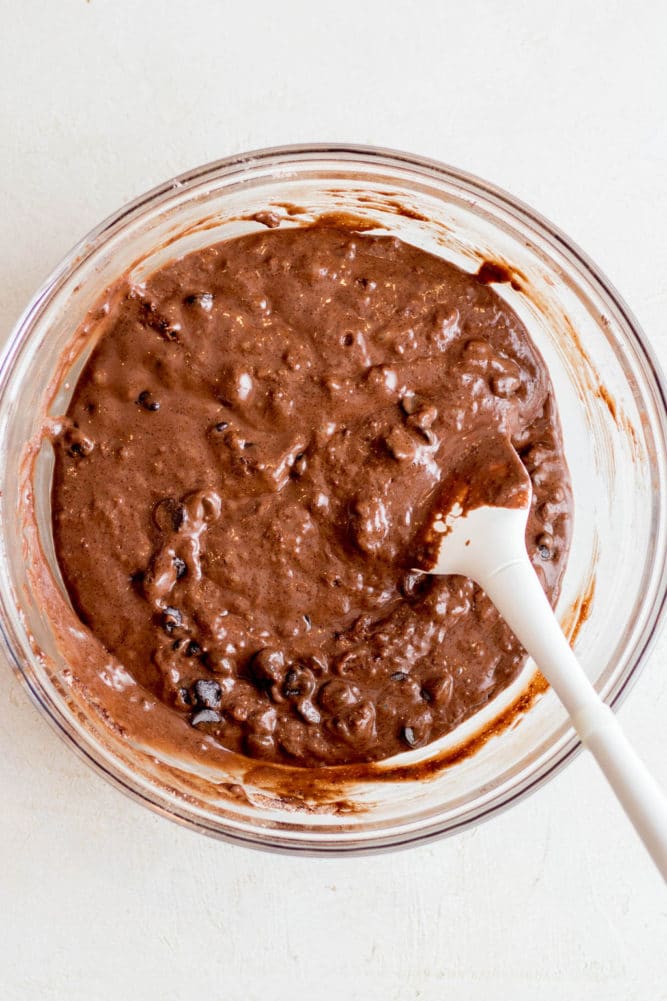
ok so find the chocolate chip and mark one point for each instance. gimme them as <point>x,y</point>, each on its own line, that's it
<point>291,688</point>
<point>221,426</point>
<point>398,676</point>
<point>348,340</point>
<point>208,694</point>
<point>202,299</point>
<point>147,401</point>
<point>203,716</point>
<point>193,649</point>
<point>79,446</point>
<point>151,318</point>
<point>409,736</point>
<point>299,681</point>
<point>545,546</point>
<point>308,621</point>
<point>180,566</point>
<point>172,619</point>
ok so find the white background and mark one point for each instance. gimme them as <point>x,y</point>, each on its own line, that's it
<point>564,104</point>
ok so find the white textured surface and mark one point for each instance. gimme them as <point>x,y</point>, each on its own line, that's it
<point>563,104</point>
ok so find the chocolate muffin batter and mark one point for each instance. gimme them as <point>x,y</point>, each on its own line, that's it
<point>249,455</point>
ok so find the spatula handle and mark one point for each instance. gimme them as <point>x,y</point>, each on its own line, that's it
<point>534,624</point>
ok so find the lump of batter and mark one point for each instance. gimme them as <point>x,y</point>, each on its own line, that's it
<point>248,455</point>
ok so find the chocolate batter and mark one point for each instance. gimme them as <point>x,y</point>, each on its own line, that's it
<point>249,455</point>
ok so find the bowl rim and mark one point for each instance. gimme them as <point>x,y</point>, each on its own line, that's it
<point>262,838</point>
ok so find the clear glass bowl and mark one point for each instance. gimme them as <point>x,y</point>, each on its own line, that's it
<point>612,406</point>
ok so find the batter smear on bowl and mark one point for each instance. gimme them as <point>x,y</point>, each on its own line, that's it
<point>248,456</point>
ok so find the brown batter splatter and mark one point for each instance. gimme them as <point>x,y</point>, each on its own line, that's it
<point>493,272</point>
<point>609,400</point>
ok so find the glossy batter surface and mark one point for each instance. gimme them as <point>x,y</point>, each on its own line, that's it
<point>247,458</point>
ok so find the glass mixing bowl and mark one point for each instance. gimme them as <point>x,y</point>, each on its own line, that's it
<point>612,406</point>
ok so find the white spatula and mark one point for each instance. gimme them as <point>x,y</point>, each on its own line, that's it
<point>478,529</point>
